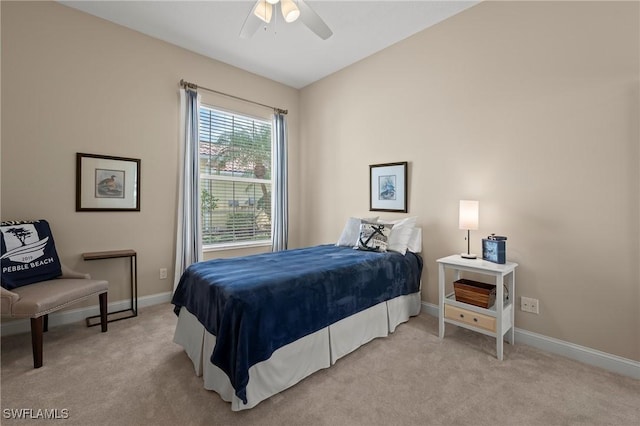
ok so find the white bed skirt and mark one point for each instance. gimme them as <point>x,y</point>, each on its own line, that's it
<point>295,361</point>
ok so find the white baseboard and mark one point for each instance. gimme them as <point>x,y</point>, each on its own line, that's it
<point>75,315</point>
<point>430,309</point>
<point>617,364</point>
<point>620,365</point>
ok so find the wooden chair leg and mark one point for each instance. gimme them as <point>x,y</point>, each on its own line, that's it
<point>103,311</point>
<point>37,325</point>
<point>45,326</point>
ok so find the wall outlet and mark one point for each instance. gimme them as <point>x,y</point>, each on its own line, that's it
<point>163,273</point>
<point>528,304</point>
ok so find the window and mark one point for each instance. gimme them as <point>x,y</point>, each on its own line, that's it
<point>235,178</point>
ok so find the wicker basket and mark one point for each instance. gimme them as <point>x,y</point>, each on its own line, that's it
<point>475,292</point>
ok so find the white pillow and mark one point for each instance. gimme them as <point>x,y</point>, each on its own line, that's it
<point>415,242</point>
<point>400,233</point>
<point>351,231</point>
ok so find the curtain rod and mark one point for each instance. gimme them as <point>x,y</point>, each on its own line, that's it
<point>188,85</point>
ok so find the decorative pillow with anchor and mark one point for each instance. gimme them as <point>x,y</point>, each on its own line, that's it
<point>28,253</point>
<point>374,237</point>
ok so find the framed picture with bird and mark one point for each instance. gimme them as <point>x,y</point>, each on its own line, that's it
<point>107,183</point>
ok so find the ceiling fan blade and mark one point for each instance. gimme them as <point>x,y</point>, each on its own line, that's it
<point>251,24</point>
<point>312,20</point>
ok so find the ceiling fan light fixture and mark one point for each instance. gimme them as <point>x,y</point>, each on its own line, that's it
<point>263,10</point>
<point>290,11</point>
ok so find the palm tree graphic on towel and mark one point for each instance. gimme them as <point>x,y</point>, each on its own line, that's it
<point>22,243</point>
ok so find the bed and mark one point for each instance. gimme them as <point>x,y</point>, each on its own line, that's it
<point>254,326</point>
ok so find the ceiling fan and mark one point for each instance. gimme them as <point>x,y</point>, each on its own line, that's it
<point>263,10</point>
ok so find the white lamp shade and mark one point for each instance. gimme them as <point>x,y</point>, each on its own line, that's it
<point>290,11</point>
<point>263,10</point>
<point>273,1</point>
<point>469,214</point>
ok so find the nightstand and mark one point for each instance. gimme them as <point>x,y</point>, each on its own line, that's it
<point>495,321</point>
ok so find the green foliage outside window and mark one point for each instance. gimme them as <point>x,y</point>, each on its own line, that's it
<point>235,161</point>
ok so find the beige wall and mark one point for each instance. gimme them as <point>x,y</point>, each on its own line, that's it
<point>75,83</point>
<point>530,108</point>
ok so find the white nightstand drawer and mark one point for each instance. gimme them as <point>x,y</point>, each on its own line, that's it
<point>469,317</point>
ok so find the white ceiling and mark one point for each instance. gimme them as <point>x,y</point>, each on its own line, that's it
<point>287,53</point>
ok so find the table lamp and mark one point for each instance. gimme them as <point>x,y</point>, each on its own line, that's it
<point>468,221</point>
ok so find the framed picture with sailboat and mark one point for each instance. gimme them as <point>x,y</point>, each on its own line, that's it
<point>388,187</point>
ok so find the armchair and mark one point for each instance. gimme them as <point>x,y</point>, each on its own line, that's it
<point>38,300</point>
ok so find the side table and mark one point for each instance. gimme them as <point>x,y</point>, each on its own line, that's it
<point>133,260</point>
<point>495,321</point>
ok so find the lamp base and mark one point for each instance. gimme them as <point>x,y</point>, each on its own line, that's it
<point>468,256</point>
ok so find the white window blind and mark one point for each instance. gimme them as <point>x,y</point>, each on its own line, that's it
<point>235,177</point>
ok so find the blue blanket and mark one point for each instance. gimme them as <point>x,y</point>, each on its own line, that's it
<point>257,304</point>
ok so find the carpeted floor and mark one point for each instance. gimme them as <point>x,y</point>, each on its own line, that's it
<point>135,375</point>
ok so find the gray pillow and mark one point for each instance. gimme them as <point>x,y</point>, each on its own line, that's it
<point>373,237</point>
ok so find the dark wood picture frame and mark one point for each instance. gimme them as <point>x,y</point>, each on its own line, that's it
<point>388,187</point>
<point>107,183</point>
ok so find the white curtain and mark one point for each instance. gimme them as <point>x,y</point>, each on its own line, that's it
<point>279,222</point>
<point>188,236</point>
